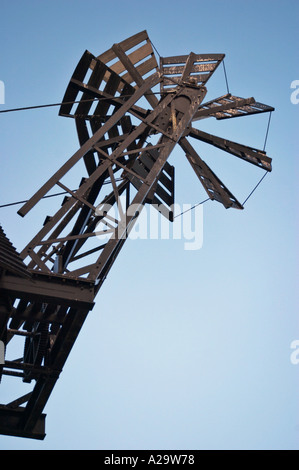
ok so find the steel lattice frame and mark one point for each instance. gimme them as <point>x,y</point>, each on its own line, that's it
<point>61,270</point>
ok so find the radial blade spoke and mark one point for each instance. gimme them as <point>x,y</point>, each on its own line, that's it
<point>197,68</point>
<point>249,154</point>
<point>71,92</point>
<point>188,69</point>
<point>134,73</point>
<point>246,110</point>
<point>135,60</point>
<point>142,50</point>
<point>228,106</point>
<point>218,108</point>
<point>211,183</point>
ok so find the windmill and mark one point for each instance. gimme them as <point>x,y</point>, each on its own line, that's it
<point>130,112</point>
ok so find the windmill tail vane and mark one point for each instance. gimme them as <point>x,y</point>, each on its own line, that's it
<point>130,112</point>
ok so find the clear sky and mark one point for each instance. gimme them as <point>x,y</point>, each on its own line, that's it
<point>184,349</point>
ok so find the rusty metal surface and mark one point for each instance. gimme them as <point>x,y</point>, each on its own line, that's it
<point>229,106</point>
<point>70,256</point>
<point>9,257</point>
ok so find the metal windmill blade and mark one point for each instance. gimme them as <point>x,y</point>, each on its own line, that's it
<point>130,113</point>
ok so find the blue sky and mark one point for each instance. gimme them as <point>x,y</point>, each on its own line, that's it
<point>184,349</point>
